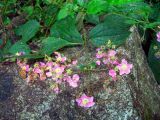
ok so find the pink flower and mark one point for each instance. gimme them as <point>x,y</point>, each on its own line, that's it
<point>42,77</point>
<point>67,78</point>
<point>85,101</point>
<point>74,62</point>
<point>25,67</point>
<point>98,49</point>
<point>100,54</point>
<point>59,58</point>
<point>75,77</point>
<point>42,64</point>
<point>37,70</point>
<point>58,81</point>
<point>49,65</point>
<point>49,74</point>
<point>124,67</point>
<point>73,82</point>
<point>57,90</point>
<point>115,62</point>
<point>111,53</point>
<point>98,62</point>
<point>58,69</point>
<point>112,73</point>
<point>158,36</point>
<point>105,61</point>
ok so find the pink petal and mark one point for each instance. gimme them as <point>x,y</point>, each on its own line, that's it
<point>74,62</point>
<point>73,84</point>
<point>90,98</point>
<point>90,104</point>
<point>98,62</point>
<point>75,77</point>
<point>49,74</point>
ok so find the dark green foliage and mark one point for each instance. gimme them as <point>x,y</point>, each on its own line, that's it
<point>66,29</point>
<point>155,14</point>
<point>51,44</point>
<point>28,30</point>
<point>20,46</point>
<point>67,10</point>
<point>96,6</point>
<point>94,19</point>
<point>121,2</point>
<point>154,59</point>
<point>110,29</point>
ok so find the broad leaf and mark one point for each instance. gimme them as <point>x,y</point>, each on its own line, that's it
<point>154,59</point>
<point>49,14</point>
<point>6,47</point>
<point>135,10</point>
<point>152,25</point>
<point>19,46</point>
<point>1,55</point>
<point>94,19</point>
<point>66,10</point>
<point>1,51</point>
<point>113,28</point>
<point>155,14</point>
<point>51,44</point>
<point>120,2</point>
<point>66,29</point>
<point>28,30</point>
<point>96,6</point>
<point>29,10</point>
<point>81,2</point>
<point>4,50</point>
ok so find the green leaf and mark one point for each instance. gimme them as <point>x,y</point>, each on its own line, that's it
<point>28,30</point>
<point>19,46</point>
<point>66,29</point>
<point>51,44</point>
<point>131,21</point>
<point>113,28</point>
<point>152,25</point>
<point>96,6</point>
<point>155,14</point>
<point>29,10</point>
<point>94,19</point>
<point>1,55</point>
<point>81,2</point>
<point>65,11</point>
<point>120,2</point>
<point>7,47</point>
<point>5,50</point>
<point>154,59</point>
<point>135,10</point>
<point>49,14</point>
<point>1,51</point>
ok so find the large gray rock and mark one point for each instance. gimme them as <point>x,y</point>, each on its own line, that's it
<point>144,88</point>
<point>118,100</point>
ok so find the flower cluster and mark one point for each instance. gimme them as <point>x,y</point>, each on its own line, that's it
<point>115,66</point>
<point>59,71</point>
